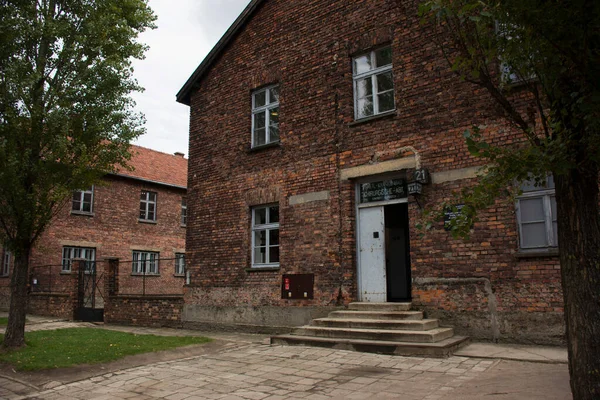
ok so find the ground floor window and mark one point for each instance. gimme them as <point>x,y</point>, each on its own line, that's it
<point>71,253</point>
<point>6,259</point>
<point>265,236</point>
<point>179,264</point>
<point>536,213</point>
<point>145,263</point>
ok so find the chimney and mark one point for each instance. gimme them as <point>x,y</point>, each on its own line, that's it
<point>180,154</point>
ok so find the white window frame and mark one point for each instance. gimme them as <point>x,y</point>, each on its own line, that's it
<point>267,228</point>
<point>184,211</point>
<point>82,194</point>
<point>69,253</point>
<point>145,203</point>
<point>266,109</point>
<point>6,258</point>
<point>180,264</point>
<point>372,74</point>
<point>140,259</point>
<point>546,194</point>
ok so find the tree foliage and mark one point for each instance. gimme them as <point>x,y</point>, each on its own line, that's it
<point>66,117</point>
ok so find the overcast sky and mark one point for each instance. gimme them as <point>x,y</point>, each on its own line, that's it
<point>187,31</point>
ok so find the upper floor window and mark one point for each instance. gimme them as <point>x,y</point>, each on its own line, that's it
<point>83,201</point>
<point>265,236</point>
<point>265,116</point>
<point>71,253</point>
<point>536,214</point>
<point>179,264</point>
<point>373,83</point>
<point>145,263</point>
<point>5,267</point>
<point>148,206</point>
<point>183,211</point>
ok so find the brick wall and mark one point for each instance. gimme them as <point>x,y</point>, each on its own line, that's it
<point>153,311</point>
<point>59,305</point>
<point>310,57</point>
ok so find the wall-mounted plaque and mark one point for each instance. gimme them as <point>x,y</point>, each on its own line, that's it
<point>390,189</point>
<point>451,214</point>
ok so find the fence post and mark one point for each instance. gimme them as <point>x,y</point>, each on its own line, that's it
<point>112,277</point>
<point>77,268</point>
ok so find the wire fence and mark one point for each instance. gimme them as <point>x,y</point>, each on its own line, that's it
<point>156,276</point>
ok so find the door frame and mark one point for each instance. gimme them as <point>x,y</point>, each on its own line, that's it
<point>357,184</point>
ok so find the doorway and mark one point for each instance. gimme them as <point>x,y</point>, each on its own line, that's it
<point>384,253</point>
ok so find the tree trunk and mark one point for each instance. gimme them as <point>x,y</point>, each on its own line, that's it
<point>15,330</point>
<point>579,242</point>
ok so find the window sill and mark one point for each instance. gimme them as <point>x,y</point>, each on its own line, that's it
<point>179,275</point>
<point>65,272</point>
<point>537,253</point>
<point>146,221</point>
<point>264,147</point>
<point>147,275</point>
<point>83,213</point>
<point>4,276</point>
<point>183,226</point>
<point>388,114</point>
<point>263,269</point>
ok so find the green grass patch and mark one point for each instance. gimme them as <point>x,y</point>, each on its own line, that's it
<point>3,321</point>
<point>73,346</point>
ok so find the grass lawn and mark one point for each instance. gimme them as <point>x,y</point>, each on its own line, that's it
<point>74,346</point>
<point>3,321</point>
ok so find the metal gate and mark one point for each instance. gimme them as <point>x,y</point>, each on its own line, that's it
<point>90,296</point>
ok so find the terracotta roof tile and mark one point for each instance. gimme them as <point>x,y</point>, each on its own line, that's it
<point>152,165</point>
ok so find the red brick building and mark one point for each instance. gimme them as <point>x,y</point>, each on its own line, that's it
<point>137,216</point>
<point>309,120</point>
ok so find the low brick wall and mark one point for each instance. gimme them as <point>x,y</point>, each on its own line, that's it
<point>152,311</point>
<point>58,305</point>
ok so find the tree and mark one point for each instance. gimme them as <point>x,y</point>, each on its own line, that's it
<point>540,61</point>
<point>66,117</point>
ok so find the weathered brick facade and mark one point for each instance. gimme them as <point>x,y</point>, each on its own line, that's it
<point>482,286</point>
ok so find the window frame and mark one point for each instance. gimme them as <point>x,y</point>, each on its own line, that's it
<point>267,228</point>
<point>82,194</point>
<point>372,73</point>
<point>546,194</point>
<point>179,264</point>
<point>6,263</point>
<point>67,262</point>
<point>137,260</point>
<point>266,110</point>
<point>183,211</point>
<point>146,202</point>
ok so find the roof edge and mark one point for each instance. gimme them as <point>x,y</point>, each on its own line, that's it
<point>147,180</point>
<point>184,94</point>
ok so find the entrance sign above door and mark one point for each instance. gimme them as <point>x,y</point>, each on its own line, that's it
<point>390,189</point>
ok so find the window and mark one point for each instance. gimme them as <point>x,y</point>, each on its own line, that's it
<point>536,213</point>
<point>265,116</point>
<point>265,236</point>
<point>145,263</point>
<point>83,201</point>
<point>179,264</point>
<point>148,206</point>
<point>86,253</point>
<point>508,37</point>
<point>183,211</point>
<point>6,257</point>
<point>373,83</point>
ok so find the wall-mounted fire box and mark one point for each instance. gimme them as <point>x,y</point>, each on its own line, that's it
<point>297,286</point>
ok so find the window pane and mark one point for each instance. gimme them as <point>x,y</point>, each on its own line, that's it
<point>259,120</point>
<point>362,64</point>
<point>555,233</point>
<point>274,214</point>
<point>383,57</point>
<point>273,134</point>
<point>142,213</point>
<point>274,254</point>
<point>151,215</point>
<point>365,107</point>
<point>553,205</point>
<point>385,82</point>
<point>260,136</point>
<point>532,209</point>
<point>534,235</point>
<point>260,238</point>
<point>386,102</point>
<point>274,116</point>
<point>260,216</point>
<point>274,237</point>
<point>260,99</point>
<point>152,196</point>
<point>260,255</point>
<point>76,205</point>
<point>87,207</point>
<point>274,94</point>
<point>364,88</point>
<point>143,195</point>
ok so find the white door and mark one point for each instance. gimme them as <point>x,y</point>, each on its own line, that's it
<point>372,276</point>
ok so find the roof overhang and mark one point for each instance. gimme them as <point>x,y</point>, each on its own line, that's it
<point>135,178</point>
<point>185,93</point>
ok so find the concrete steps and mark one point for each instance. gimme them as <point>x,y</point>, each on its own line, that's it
<point>389,328</point>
